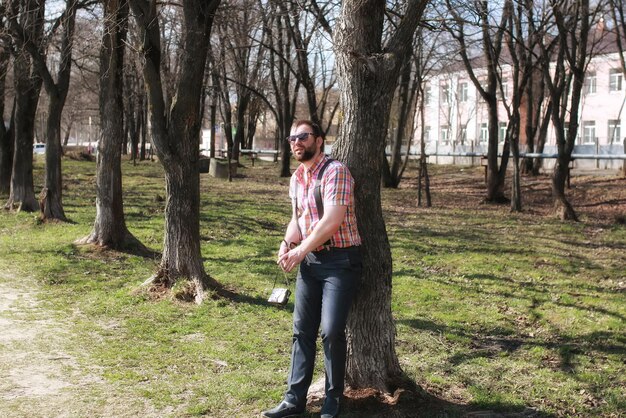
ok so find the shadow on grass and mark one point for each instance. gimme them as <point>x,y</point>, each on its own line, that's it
<point>412,401</point>
<point>490,343</point>
<point>538,290</point>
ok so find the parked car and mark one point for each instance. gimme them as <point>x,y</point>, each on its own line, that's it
<point>39,148</point>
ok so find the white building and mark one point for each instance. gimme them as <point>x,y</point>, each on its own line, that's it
<point>456,118</point>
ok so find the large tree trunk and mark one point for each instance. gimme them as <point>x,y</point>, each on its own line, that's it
<point>6,159</point>
<point>176,137</point>
<point>109,228</point>
<point>495,173</point>
<point>22,193</point>
<point>51,199</point>
<point>367,79</point>
<point>6,139</point>
<point>51,195</point>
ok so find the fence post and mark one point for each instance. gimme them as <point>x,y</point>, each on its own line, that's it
<point>597,152</point>
<point>624,161</point>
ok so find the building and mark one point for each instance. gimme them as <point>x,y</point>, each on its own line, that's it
<point>456,118</point>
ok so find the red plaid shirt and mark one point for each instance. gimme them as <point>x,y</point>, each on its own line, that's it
<point>337,189</point>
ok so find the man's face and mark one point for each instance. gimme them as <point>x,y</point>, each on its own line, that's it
<point>306,148</point>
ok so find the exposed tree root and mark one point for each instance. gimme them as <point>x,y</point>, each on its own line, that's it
<point>498,200</point>
<point>186,289</point>
<point>51,209</point>
<point>129,244</point>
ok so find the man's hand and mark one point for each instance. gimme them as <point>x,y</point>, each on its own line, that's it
<point>284,247</point>
<point>290,259</point>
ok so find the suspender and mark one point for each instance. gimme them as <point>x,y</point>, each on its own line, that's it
<point>317,194</point>
<point>316,190</point>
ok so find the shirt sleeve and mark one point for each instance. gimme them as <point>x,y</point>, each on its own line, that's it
<point>338,186</point>
<point>292,190</point>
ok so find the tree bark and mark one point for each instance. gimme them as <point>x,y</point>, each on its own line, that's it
<point>109,229</point>
<point>562,206</point>
<point>27,88</point>
<point>367,78</point>
<point>6,139</point>
<point>51,196</point>
<point>51,199</point>
<point>175,136</point>
<point>392,171</point>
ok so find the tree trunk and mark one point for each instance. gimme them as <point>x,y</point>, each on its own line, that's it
<point>285,148</point>
<point>562,206</point>
<point>22,193</point>
<point>541,139</point>
<point>495,175</point>
<point>176,138</point>
<point>516,187</point>
<point>109,228</point>
<point>423,166</point>
<point>51,198</point>
<point>6,159</point>
<point>6,148</point>
<point>392,174</point>
<point>6,140</point>
<point>367,79</point>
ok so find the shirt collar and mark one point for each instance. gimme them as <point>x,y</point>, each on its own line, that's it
<point>317,163</point>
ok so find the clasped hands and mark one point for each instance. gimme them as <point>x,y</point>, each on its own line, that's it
<point>289,256</point>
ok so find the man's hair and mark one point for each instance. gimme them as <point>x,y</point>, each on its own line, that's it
<point>317,131</point>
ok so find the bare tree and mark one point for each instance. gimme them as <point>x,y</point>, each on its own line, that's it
<point>109,229</point>
<point>617,11</point>
<point>573,50</point>
<point>368,72</point>
<point>30,15</point>
<point>6,138</point>
<point>51,201</point>
<point>491,47</point>
<point>406,95</point>
<point>175,135</point>
<point>239,46</point>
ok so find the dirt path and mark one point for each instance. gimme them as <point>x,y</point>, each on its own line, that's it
<point>39,372</point>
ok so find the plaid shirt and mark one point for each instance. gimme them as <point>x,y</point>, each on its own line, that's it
<point>337,189</point>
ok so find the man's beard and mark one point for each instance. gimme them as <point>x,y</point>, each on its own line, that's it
<point>307,155</point>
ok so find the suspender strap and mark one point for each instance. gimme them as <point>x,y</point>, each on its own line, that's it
<point>316,190</point>
<point>318,194</point>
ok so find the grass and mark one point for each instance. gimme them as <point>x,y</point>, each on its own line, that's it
<point>494,311</point>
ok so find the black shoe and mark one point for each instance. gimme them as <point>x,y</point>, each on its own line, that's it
<point>330,409</point>
<point>284,409</point>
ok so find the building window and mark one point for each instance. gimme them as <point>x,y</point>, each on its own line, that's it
<point>502,131</point>
<point>590,83</point>
<point>462,92</point>
<point>445,134</point>
<point>615,80</point>
<point>614,134</point>
<point>484,133</point>
<point>426,133</point>
<point>427,95</point>
<point>505,90</point>
<point>445,94</point>
<point>589,132</point>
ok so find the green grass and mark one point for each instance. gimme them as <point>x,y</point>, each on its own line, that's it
<point>494,310</point>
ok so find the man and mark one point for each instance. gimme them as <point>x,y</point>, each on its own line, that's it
<point>326,248</point>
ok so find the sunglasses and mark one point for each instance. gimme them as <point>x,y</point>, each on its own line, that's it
<point>302,136</point>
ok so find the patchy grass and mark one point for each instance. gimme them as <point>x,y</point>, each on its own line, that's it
<point>495,311</point>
